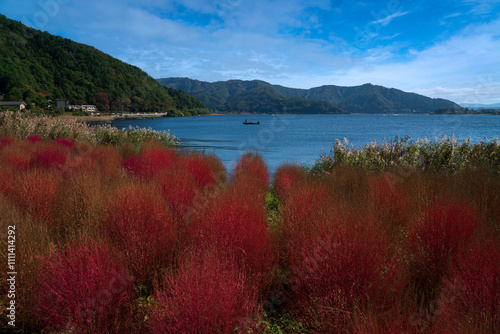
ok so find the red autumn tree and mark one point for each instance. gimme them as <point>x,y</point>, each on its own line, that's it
<point>102,101</point>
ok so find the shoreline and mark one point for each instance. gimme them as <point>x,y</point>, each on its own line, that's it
<point>108,118</point>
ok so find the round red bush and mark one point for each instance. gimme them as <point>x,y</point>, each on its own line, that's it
<point>207,295</point>
<point>83,288</point>
<point>141,226</point>
<point>49,156</point>
<point>286,177</point>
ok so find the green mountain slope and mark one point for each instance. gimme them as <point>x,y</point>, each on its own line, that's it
<point>35,66</point>
<point>248,96</point>
<point>359,99</point>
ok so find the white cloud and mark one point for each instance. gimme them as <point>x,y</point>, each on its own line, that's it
<point>386,20</point>
<point>464,68</point>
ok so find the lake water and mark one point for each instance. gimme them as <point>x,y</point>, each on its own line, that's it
<point>302,138</point>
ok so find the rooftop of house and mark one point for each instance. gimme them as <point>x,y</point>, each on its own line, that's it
<point>11,103</point>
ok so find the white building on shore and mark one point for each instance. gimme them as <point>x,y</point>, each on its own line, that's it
<point>16,104</point>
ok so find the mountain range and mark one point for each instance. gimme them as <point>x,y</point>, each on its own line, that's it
<point>36,66</point>
<point>262,97</point>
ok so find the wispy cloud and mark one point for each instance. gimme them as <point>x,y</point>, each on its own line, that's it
<point>480,7</point>
<point>463,68</point>
<point>386,20</point>
<point>452,15</point>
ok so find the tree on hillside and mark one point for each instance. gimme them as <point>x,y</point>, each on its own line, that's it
<point>102,101</point>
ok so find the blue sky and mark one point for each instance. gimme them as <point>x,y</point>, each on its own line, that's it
<point>448,49</point>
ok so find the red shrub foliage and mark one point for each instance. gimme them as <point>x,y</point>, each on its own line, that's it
<point>217,167</point>
<point>335,265</point>
<point>234,221</point>
<point>83,288</point>
<point>207,295</point>
<point>33,139</point>
<point>6,141</point>
<point>130,163</point>
<point>237,225</point>
<point>202,169</point>
<point>49,156</point>
<point>178,188</point>
<point>141,226</point>
<point>388,198</point>
<point>68,143</point>
<point>6,182</point>
<point>477,279</point>
<point>36,194</point>
<point>349,270</point>
<point>286,177</point>
<point>15,157</point>
<point>436,243</point>
<point>254,165</point>
<point>305,209</point>
<point>108,160</point>
<point>153,158</point>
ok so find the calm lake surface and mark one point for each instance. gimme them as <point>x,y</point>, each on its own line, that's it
<point>302,138</point>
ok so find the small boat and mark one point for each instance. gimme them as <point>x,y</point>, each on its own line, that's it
<point>250,123</point>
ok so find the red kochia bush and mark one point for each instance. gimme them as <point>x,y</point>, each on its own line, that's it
<point>387,197</point>
<point>178,188</point>
<point>141,226</point>
<point>6,181</point>
<point>153,158</point>
<point>253,164</point>
<point>49,156</point>
<point>6,141</point>
<point>335,265</point>
<point>13,154</point>
<point>352,269</point>
<point>202,169</point>
<point>286,177</point>
<point>437,242</point>
<point>68,143</point>
<point>83,288</point>
<point>107,159</point>
<point>477,288</point>
<point>236,224</point>
<point>33,139</point>
<point>208,294</point>
<point>305,207</point>
<point>15,157</point>
<point>36,194</point>
<point>130,163</point>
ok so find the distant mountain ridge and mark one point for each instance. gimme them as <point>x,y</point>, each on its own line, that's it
<point>248,96</point>
<point>238,95</point>
<point>479,106</point>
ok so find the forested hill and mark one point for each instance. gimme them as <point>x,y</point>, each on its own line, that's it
<point>237,95</point>
<point>248,96</point>
<point>36,66</point>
